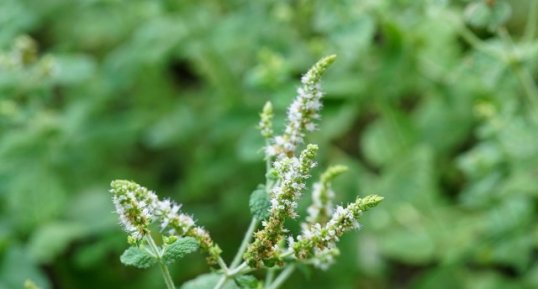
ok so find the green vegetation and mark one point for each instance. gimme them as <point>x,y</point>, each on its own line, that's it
<point>432,104</point>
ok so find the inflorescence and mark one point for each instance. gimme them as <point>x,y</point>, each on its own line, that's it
<point>289,163</point>
<point>138,208</point>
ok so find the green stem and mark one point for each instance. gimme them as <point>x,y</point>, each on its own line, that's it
<point>239,269</point>
<point>522,73</point>
<point>245,242</point>
<point>269,277</point>
<point>222,264</point>
<point>283,276</point>
<point>526,80</point>
<point>476,42</point>
<point>236,268</point>
<point>166,276</point>
<point>164,269</point>
<point>530,27</point>
<point>221,282</point>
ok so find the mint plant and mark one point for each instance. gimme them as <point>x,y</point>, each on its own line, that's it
<point>160,234</point>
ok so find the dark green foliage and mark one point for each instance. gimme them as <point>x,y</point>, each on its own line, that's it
<point>168,93</point>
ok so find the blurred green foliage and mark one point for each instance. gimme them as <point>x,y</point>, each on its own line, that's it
<point>432,104</point>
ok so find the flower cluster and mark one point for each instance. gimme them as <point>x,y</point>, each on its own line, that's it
<point>322,197</point>
<point>138,207</point>
<point>302,112</point>
<point>318,239</point>
<point>324,225</point>
<point>272,204</point>
<point>266,121</point>
<point>134,205</point>
<point>292,174</point>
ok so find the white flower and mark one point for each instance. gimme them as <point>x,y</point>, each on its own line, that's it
<point>134,205</point>
<point>166,210</point>
<point>292,172</point>
<point>315,237</point>
<point>322,197</point>
<point>302,112</point>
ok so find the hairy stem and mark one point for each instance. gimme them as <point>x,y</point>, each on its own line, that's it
<point>283,276</point>
<point>162,266</point>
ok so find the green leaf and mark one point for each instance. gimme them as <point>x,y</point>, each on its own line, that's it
<point>17,266</point>
<point>259,203</point>
<point>179,248</point>
<point>52,239</point>
<point>247,282</point>
<point>207,281</point>
<point>137,257</point>
<point>481,14</point>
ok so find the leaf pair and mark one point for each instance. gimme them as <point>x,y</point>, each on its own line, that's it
<point>141,258</point>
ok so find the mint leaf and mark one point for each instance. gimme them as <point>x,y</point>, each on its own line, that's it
<point>247,282</point>
<point>179,248</point>
<point>137,257</point>
<point>259,203</point>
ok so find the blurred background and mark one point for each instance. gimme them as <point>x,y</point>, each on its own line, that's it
<point>432,104</point>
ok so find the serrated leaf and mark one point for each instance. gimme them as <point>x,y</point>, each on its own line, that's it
<point>179,249</point>
<point>137,257</point>
<point>207,281</point>
<point>259,203</point>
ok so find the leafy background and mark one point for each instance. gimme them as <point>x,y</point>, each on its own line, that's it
<point>432,104</point>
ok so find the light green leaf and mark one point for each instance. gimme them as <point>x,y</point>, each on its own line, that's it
<point>179,248</point>
<point>259,203</point>
<point>484,15</point>
<point>137,257</point>
<point>247,282</point>
<point>52,239</point>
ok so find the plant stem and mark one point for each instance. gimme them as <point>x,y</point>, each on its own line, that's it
<point>235,268</point>
<point>269,277</point>
<point>222,264</point>
<point>283,276</point>
<point>530,27</point>
<point>221,282</point>
<point>245,242</point>
<point>287,254</point>
<point>527,82</point>
<point>238,269</point>
<point>164,269</point>
<point>166,276</point>
<point>522,73</point>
